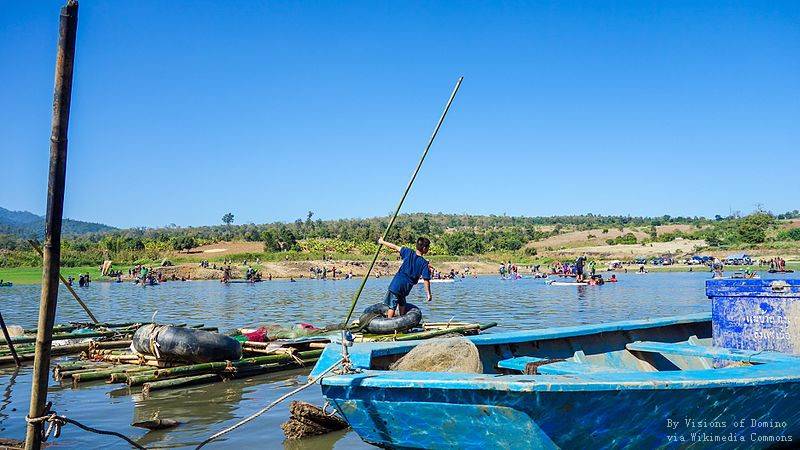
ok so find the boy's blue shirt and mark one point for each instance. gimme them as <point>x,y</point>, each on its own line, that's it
<point>413,267</point>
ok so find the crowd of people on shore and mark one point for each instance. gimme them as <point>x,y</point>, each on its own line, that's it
<point>321,273</point>
<point>777,263</point>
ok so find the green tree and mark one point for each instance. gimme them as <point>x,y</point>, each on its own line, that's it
<point>752,229</point>
<point>790,235</point>
<point>183,243</point>
<point>227,219</point>
<point>309,223</point>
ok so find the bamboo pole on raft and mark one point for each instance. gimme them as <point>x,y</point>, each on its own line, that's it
<point>9,342</point>
<point>65,56</point>
<point>69,288</point>
<point>402,199</point>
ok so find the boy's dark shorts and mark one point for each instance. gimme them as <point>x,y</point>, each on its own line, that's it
<point>579,271</point>
<point>392,300</point>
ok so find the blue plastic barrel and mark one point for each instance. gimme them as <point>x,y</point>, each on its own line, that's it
<point>755,314</point>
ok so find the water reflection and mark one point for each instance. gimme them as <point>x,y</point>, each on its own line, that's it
<point>8,390</point>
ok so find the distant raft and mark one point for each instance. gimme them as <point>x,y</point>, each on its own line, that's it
<point>374,319</point>
<point>185,344</point>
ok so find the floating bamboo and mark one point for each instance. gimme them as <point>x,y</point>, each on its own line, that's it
<point>179,382</point>
<point>464,329</point>
<point>195,369</point>
<point>64,336</point>
<point>56,351</point>
<point>105,374</point>
<point>67,327</point>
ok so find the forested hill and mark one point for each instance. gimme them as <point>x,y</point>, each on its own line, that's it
<point>25,224</point>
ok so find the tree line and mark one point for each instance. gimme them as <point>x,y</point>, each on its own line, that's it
<point>451,234</point>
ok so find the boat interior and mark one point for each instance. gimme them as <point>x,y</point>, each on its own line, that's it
<point>670,344</point>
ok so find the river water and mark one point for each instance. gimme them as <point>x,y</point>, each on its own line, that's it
<point>203,410</point>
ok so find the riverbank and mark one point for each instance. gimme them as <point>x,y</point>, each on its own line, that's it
<point>33,275</point>
<point>304,270</point>
<point>277,269</point>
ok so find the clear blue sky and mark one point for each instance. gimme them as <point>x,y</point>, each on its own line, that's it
<point>184,110</point>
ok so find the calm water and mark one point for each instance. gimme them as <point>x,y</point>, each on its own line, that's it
<point>203,410</point>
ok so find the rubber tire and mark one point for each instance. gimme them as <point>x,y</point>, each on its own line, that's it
<point>383,325</point>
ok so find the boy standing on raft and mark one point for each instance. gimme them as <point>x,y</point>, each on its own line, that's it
<point>413,267</point>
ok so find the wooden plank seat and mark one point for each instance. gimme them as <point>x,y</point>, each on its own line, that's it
<point>704,351</point>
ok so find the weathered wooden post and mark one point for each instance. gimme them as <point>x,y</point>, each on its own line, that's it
<point>68,25</point>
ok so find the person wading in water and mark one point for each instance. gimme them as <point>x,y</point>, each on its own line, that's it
<point>579,268</point>
<point>413,267</point>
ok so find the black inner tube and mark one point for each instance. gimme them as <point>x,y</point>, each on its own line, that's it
<point>374,319</point>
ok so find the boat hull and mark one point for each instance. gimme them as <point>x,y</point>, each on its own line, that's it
<point>446,418</point>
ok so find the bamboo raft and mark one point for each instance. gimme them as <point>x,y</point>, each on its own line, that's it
<point>114,362</point>
<point>104,335</point>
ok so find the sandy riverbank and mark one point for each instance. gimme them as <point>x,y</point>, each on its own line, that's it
<point>303,269</point>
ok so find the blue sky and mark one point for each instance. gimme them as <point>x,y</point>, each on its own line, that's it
<point>183,111</point>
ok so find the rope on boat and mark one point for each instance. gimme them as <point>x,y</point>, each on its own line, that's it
<point>270,406</point>
<point>55,422</point>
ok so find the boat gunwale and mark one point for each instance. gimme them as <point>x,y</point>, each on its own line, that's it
<point>762,374</point>
<point>782,369</point>
<point>361,355</point>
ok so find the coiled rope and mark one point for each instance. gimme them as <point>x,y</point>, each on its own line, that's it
<point>55,422</point>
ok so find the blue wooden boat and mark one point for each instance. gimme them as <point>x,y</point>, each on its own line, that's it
<point>633,384</point>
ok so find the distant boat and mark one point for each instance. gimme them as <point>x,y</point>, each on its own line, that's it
<point>613,385</point>
<point>442,280</point>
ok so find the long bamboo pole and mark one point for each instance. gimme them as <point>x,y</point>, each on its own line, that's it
<point>9,342</point>
<point>69,288</point>
<point>402,199</point>
<point>65,57</point>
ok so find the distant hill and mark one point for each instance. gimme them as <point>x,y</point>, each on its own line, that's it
<point>26,225</point>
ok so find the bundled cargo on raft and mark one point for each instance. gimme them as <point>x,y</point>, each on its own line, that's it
<point>170,343</point>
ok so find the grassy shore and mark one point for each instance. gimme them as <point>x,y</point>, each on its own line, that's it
<point>33,275</point>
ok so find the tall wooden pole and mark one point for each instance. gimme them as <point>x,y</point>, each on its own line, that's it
<point>68,25</point>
